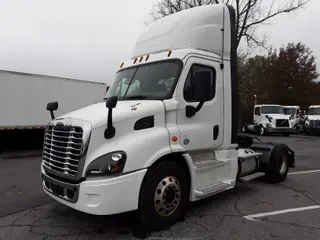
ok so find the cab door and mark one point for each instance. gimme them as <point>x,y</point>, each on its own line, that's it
<point>203,132</point>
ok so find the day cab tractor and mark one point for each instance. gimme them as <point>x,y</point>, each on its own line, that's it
<point>268,119</point>
<point>312,120</point>
<point>171,139</point>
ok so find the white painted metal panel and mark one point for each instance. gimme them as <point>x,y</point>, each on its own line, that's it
<point>205,28</point>
<point>23,97</point>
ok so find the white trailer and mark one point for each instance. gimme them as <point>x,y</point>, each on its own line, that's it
<point>23,99</point>
<point>160,145</point>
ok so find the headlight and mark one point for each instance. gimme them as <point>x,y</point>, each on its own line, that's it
<point>107,164</point>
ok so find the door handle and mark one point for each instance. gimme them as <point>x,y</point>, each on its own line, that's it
<point>215,132</point>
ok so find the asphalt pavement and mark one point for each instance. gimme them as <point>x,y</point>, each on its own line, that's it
<point>253,210</point>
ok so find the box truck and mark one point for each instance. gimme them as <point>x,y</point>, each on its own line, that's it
<point>172,138</point>
<point>24,96</point>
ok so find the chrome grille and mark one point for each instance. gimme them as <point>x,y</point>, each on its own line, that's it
<point>62,149</point>
<point>282,123</point>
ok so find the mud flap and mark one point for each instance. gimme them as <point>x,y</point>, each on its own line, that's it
<point>267,149</point>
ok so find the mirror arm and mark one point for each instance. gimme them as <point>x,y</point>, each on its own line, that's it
<point>198,108</point>
<point>110,131</point>
<point>52,115</point>
<point>109,124</point>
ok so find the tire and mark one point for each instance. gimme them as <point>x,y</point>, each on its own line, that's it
<point>243,128</point>
<point>279,164</point>
<point>286,134</point>
<point>262,131</point>
<point>151,201</point>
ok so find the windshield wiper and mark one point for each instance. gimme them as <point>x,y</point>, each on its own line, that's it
<point>136,97</point>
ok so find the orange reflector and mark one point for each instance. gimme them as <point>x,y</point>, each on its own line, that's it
<point>140,59</point>
<point>169,53</point>
<point>121,65</point>
<point>174,138</point>
<point>135,60</point>
<point>147,58</point>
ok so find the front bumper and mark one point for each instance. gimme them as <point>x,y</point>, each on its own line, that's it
<point>98,197</point>
<point>314,130</point>
<point>280,130</point>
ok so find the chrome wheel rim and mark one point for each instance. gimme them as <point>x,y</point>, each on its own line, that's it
<point>167,196</point>
<point>283,163</point>
<point>243,128</point>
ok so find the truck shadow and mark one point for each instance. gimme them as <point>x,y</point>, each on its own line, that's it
<point>126,224</point>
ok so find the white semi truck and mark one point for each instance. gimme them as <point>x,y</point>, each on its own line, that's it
<point>295,116</point>
<point>161,145</point>
<point>270,118</point>
<point>23,94</point>
<point>312,123</point>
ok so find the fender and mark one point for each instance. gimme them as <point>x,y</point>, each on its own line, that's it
<point>264,123</point>
<point>267,149</point>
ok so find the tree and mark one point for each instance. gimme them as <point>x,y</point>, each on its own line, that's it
<point>249,14</point>
<point>286,76</point>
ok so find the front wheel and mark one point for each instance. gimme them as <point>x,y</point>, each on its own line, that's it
<point>279,165</point>
<point>262,131</point>
<point>163,197</point>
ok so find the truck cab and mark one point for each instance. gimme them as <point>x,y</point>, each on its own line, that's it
<point>312,123</point>
<point>270,118</point>
<point>295,114</point>
<point>166,133</point>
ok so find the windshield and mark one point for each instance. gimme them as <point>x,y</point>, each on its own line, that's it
<point>289,111</point>
<point>271,110</point>
<point>314,111</point>
<point>153,81</point>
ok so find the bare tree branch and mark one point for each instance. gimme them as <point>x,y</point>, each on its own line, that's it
<point>250,14</point>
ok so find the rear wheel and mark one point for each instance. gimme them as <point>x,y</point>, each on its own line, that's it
<point>164,196</point>
<point>243,128</point>
<point>279,164</point>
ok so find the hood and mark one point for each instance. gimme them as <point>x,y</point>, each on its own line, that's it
<point>97,114</point>
<point>313,117</point>
<point>278,116</point>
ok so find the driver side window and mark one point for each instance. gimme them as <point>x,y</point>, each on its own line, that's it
<point>257,111</point>
<point>188,87</point>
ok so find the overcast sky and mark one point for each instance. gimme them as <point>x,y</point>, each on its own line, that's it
<point>88,39</point>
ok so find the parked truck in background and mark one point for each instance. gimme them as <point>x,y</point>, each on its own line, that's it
<point>269,118</point>
<point>157,148</point>
<point>312,123</point>
<point>295,116</point>
<point>23,94</point>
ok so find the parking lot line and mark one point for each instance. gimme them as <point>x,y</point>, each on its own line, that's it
<point>303,172</point>
<point>259,215</point>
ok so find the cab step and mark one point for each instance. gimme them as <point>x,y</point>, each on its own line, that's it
<point>251,177</point>
<point>213,188</point>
